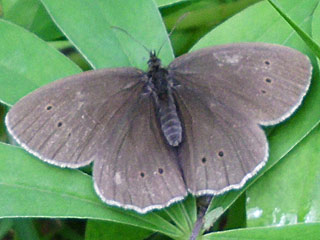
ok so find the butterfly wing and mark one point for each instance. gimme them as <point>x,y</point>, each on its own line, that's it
<point>142,172</point>
<point>221,148</point>
<point>225,92</point>
<point>58,122</point>
<point>267,82</point>
<point>101,116</point>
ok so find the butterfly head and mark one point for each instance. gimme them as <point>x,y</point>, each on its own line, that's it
<point>157,75</point>
<point>154,62</point>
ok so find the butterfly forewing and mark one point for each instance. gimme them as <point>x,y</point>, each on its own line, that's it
<point>60,121</point>
<point>266,82</point>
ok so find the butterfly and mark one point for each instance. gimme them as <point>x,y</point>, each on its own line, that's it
<point>155,136</point>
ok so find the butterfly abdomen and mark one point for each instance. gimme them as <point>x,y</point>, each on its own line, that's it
<point>170,122</point>
<point>160,85</point>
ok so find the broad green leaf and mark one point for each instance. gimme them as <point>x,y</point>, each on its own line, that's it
<point>27,62</point>
<point>201,17</point>
<point>97,230</point>
<point>315,26</point>
<point>296,232</point>
<point>250,26</point>
<point>5,226</point>
<point>31,15</point>
<point>289,192</point>
<point>164,3</point>
<point>88,25</point>
<point>183,214</point>
<point>306,38</point>
<point>25,229</point>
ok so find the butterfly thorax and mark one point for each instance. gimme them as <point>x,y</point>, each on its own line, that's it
<point>161,87</point>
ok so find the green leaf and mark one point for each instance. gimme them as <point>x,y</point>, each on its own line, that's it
<point>27,62</point>
<point>31,15</point>
<point>289,192</point>
<point>5,226</point>
<point>201,17</point>
<point>163,3</point>
<point>306,38</point>
<point>296,232</point>
<point>183,214</point>
<point>25,229</point>
<point>250,26</point>
<point>97,230</point>
<point>87,24</point>
<point>315,26</point>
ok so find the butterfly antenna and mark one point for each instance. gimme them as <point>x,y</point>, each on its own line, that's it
<point>173,29</point>
<point>133,38</point>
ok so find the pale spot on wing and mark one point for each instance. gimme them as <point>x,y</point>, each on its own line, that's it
<point>117,178</point>
<point>227,58</point>
<point>233,59</point>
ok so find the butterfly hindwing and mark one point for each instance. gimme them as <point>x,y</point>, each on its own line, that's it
<point>140,171</point>
<point>221,148</point>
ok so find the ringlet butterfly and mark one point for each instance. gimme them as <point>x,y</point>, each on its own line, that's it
<point>155,136</point>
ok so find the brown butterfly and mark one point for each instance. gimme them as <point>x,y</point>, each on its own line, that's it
<point>155,136</point>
